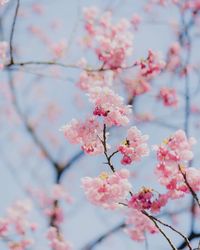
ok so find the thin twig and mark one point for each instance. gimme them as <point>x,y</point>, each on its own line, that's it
<point>173,229</point>
<point>160,229</point>
<point>105,150</point>
<point>12,32</point>
<point>53,63</point>
<point>193,193</point>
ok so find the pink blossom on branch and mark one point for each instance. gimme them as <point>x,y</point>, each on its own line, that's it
<point>86,133</point>
<point>110,106</point>
<point>138,225</point>
<point>151,66</point>
<point>134,147</point>
<point>174,153</point>
<point>168,97</point>
<point>148,199</point>
<point>112,43</point>
<point>57,241</point>
<point>16,222</point>
<point>174,57</point>
<point>4,224</point>
<point>107,190</point>
<point>193,178</point>
<point>136,20</point>
<point>58,49</point>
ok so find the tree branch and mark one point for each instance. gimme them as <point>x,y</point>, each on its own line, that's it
<point>12,32</point>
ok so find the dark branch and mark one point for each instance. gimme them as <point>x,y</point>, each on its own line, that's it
<point>191,237</point>
<point>12,32</point>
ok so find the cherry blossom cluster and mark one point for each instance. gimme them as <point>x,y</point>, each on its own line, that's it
<point>138,225</point>
<point>16,222</point>
<point>112,43</point>
<point>174,57</point>
<point>110,106</point>
<point>148,199</point>
<point>101,35</point>
<point>86,133</point>
<point>149,68</point>
<point>59,49</point>
<point>168,97</point>
<point>136,20</point>
<point>57,241</point>
<point>173,155</point>
<point>113,190</point>
<point>107,190</point>
<point>134,147</point>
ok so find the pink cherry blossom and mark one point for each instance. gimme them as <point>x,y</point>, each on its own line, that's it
<point>152,65</point>
<point>90,13</point>
<point>59,48</point>
<point>56,213</point>
<point>17,215</point>
<point>112,43</point>
<point>136,20</point>
<point>172,155</point>
<point>38,8</point>
<point>57,241</point>
<point>107,190</point>
<point>16,222</point>
<point>138,225</point>
<point>110,106</point>
<point>148,199</point>
<point>85,133</point>
<point>168,96</point>
<point>193,178</point>
<point>4,224</point>
<point>174,59</point>
<point>134,147</point>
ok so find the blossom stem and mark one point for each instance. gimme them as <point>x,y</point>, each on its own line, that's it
<point>106,151</point>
